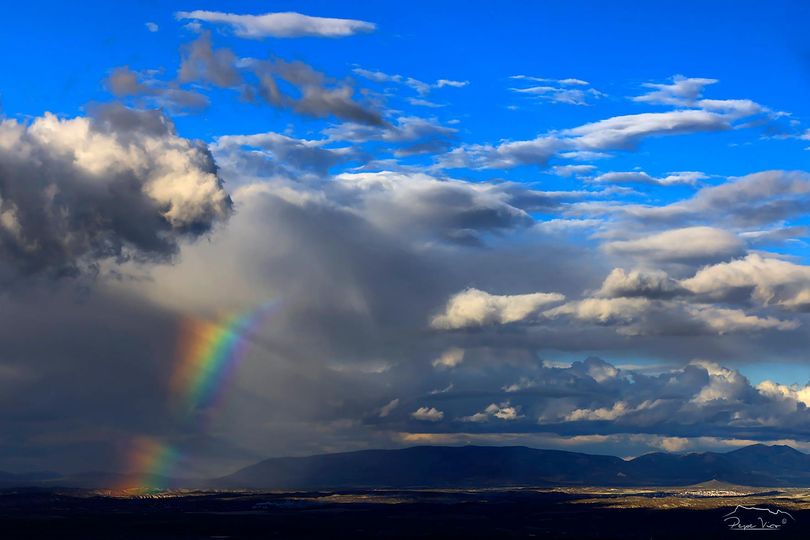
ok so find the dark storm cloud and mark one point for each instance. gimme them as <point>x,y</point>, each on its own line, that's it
<point>79,191</point>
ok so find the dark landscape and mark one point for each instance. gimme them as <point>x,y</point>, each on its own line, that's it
<point>430,492</point>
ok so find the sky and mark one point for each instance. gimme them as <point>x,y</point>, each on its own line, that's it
<point>237,230</point>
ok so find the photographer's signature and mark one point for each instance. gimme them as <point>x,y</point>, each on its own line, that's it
<point>754,518</point>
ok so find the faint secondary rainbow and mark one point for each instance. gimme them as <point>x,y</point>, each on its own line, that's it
<point>209,353</point>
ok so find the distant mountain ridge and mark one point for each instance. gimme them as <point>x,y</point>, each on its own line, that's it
<point>482,466</point>
<point>486,466</point>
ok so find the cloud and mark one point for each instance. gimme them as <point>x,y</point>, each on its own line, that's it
<point>281,154</point>
<point>152,27</point>
<point>409,135</point>
<point>753,200</point>
<point>724,320</point>
<point>281,25</point>
<point>506,155</point>
<point>427,414</point>
<point>567,91</point>
<point>768,281</point>
<point>422,88</point>
<point>625,132</point>
<point>118,185</point>
<point>503,411</point>
<point>573,170</point>
<point>125,83</point>
<point>473,307</point>
<point>616,133</point>
<point>441,83</point>
<point>200,62</point>
<point>316,95</point>
<point>603,413</point>
<point>447,210</point>
<point>682,91</point>
<point>449,359</point>
<point>386,409</point>
<point>603,310</point>
<point>689,178</point>
<point>687,244</point>
<point>642,283</point>
<point>639,316</point>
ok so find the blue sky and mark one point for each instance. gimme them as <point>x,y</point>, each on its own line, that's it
<point>565,224</point>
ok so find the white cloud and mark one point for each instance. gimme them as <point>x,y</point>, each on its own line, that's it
<point>682,91</point>
<point>473,307</point>
<point>603,413</point>
<point>449,359</point>
<point>152,27</point>
<point>645,283</point>
<point>568,91</point>
<point>427,414</point>
<point>625,132</point>
<point>441,83</point>
<point>795,393</point>
<point>768,280</point>
<point>503,411</point>
<point>281,25</point>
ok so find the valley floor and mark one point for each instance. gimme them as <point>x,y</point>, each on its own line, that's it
<point>581,513</point>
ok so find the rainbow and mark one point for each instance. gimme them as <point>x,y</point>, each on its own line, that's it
<point>150,465</point>
<point>209,353</point>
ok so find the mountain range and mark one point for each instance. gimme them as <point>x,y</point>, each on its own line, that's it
<point>483,466</point>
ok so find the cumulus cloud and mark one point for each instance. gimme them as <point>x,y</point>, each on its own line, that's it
<point>427,414</point>
<point>280,25</point>
<point>766,280</point>
<point>644,283</point>
<point>473,307</point>
<point>121,184</point>
<point>503,411</point>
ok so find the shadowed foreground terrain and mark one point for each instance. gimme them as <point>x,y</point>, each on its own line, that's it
<point>694,512</point>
